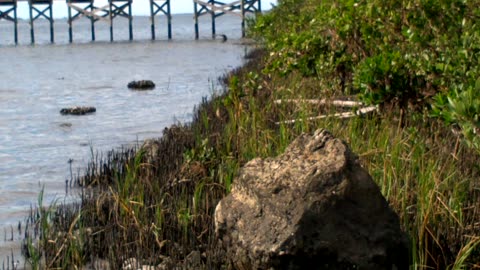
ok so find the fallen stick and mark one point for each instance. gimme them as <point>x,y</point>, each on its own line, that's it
<point>337,115</point>
<point>340,103</point>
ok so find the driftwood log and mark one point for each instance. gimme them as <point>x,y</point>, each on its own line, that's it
<point>337,103</point>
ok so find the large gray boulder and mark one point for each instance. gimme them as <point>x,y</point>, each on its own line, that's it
<point>313,207</point>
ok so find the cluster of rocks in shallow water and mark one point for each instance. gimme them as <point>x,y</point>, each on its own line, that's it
<point>82,110</point>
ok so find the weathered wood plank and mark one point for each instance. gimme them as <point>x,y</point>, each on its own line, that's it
<point>91,14</point>
<point>8,2</point>
<point>227,8</point>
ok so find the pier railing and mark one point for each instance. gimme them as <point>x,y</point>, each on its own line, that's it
<point>122,8</point>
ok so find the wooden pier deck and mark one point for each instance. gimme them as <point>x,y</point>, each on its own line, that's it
<point>121,8</point>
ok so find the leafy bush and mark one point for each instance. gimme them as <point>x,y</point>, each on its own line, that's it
<point>419,56</point>
<point>412,54</point>
<point>462,107</point>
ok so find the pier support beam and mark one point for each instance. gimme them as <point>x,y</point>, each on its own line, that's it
<point>7,9</point>
<point>217,9</point>
<point>122,8</point>
<point>78,9</point>
<point>163,7</point>
<point>39,9</point>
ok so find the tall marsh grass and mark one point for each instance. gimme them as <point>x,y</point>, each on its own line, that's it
<point>156,204</point>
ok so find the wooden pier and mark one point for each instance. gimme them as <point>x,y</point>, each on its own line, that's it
<point>217,9</point>
<point>38,9</point>
<point>162,6</point>
<point>86,8</point>
<point>122,8</point>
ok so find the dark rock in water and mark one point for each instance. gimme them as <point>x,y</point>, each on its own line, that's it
<point>141,85</point>
<point>65,125</point>
<point>78,110</point>
<point>313,207</point>
<point>224,37</point>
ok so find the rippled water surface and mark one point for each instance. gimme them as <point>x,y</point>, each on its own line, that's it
<point>36,142</point>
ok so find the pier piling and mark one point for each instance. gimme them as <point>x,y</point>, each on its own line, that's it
<point>39,9</point>
<point>163,7</point>
<point>217,9</point>
<point>118,8</point>
<point>82,8</point>
<point>123,8</point>
<point>249,6</point>
<point>7,9</point>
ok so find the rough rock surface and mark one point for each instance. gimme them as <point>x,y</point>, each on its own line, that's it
<point>141,85</point>
<point>150,148</point>
<point>313,207</point>
<point>78,110</point>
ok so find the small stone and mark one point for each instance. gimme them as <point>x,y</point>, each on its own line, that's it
<point>130,264</point>
<point>65,125</point>
<point>193,260</point>
<point>166,264</point>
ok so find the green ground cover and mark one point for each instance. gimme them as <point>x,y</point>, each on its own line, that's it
<point>416,60</point>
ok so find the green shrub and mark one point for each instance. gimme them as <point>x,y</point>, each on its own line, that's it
<point>411,54</point>
<point>462,107</point>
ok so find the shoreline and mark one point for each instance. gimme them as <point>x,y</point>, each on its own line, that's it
<point>98,170</point>
<point>185,89</point>
<point>156,207</point>
<point>186,172</point>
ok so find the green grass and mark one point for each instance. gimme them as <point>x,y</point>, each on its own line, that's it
<point>140,206</point>
<point>141,210</point>
<point>428,175</point>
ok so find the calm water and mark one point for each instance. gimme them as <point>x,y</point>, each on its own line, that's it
<point>36,142</point>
